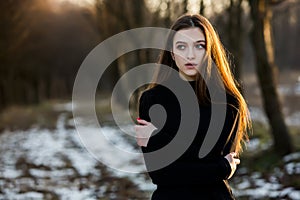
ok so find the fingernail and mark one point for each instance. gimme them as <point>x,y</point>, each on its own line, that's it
<point>138,118</point>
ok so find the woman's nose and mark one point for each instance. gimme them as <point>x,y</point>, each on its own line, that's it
<point>190,54</point>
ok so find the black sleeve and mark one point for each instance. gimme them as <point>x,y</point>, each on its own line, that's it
<point>192,173</point>
<point>156,140</point>
<point>144,107</point>
<point>180,172</point>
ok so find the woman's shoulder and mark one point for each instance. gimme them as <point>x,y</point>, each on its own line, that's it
<point>157,95</point>
<point>154,91</point>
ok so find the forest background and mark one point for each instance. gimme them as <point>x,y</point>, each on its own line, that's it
<point>44,42</point>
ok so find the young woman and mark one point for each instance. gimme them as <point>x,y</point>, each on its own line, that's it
<point>194,47</point>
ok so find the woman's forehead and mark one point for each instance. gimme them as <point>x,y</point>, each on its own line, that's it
<point>193,34</point>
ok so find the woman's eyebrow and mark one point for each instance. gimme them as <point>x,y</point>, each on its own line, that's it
<point>200,41</point>
<point>180,42</point>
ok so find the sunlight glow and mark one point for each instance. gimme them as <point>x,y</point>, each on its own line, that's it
<point>75,2</point>
<point>193,6</point>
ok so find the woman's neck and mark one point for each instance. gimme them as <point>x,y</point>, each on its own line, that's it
<point>186,78</point>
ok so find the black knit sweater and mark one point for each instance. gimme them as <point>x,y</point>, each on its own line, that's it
<point>188,171</point>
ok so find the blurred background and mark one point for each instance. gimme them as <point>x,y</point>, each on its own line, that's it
<point>44,42</point>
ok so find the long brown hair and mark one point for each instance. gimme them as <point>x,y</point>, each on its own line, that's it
<point>215,54</point>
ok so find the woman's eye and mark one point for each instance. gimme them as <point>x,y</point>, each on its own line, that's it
<point>180,47</point>
<point>199,46</point>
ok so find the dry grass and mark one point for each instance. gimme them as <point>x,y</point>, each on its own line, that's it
<point>25,117</point>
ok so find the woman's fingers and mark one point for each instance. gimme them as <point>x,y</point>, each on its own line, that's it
<point>143,131</point>
<point>141,121</point>
<point>142,141</point>
<point>233,154</point>
<point>233,161</point>
<point>236,160</point>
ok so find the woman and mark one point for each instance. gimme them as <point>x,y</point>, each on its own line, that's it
<point>192,49</point>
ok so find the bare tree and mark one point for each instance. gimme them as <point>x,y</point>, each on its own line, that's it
<point>202,8</point>
<point>261,36</point>
<point>236,35</point>
<point>41,50</point>
<point>114,19</point>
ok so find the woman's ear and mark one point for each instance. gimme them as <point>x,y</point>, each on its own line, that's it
<point>172,54</point>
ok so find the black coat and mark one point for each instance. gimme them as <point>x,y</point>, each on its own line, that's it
<point>188,177</point>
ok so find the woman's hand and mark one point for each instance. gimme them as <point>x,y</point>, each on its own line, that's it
<point>233,162</point>
<point>143,131</point>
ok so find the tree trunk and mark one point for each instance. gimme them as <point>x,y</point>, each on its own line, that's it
<point>235,36</point>
<point>202,7</point>
<point>185,6</point>
<point>265,68</point>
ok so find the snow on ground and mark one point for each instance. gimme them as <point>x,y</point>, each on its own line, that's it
<point>53,164</point>
<point>44,164</point>
<point>258,186</point>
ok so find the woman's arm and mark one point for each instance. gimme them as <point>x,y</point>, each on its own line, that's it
<point>180,172</point>
<point>192,173</point>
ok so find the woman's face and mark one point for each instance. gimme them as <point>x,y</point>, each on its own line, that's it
<point>188,51</point>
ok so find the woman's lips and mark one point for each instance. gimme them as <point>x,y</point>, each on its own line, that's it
<point>190,65</point>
